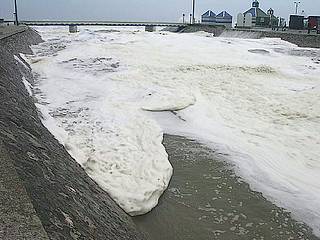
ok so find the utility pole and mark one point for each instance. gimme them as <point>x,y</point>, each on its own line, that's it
<point>297,5</point>
<point>16,21</point>
<point>193,11</point>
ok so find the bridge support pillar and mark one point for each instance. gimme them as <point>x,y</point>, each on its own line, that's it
<point>73,28</point>
<point>150,28</point>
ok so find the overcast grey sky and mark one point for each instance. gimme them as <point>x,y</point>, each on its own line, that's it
<point>143,10</point>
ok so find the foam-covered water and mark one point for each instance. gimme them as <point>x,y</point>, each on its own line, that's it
<point>112,93</point>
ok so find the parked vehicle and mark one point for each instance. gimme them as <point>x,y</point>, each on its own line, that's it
<point>314,24</point>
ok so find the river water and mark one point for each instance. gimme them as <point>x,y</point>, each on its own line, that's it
<point>206,200</point>
<point>109,94</point>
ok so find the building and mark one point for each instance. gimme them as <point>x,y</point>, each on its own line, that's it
<point>223,18</point>
<point>208,17</point>
<point>256,17</point>
<point>296,22</point>
<point>259,17</point>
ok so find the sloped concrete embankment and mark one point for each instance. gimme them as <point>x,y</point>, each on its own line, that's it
<point>301,40</point>
<point>215,30</point>
<point>44,192</point>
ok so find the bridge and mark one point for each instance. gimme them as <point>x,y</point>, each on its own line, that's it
<point>73,24</point>
<point>101,23</point>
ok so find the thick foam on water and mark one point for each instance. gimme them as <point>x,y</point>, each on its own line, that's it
<point>168,99</point>
<point>262,109</point>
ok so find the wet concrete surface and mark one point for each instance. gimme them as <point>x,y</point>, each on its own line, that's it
<point>206,200</point>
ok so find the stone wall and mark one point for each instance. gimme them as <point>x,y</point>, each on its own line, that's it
<point>67,202</point>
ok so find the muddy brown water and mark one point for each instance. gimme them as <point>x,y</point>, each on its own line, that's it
<point>206,200</point>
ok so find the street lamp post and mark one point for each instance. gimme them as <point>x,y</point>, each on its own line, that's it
<point>16,21</point>
<point>193,11</point>
<point>270,13</point>
<point>297,5</point>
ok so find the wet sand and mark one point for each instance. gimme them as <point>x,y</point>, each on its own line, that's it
<point>206,200</point>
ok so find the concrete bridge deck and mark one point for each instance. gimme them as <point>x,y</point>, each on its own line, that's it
<point>101,23</point>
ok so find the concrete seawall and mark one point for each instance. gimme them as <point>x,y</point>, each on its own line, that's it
<point>45,194</point>
<point>215,30</point>
<point>301,40</point>
<point>7,31</point>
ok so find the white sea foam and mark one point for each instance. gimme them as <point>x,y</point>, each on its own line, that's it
<point>27,85</point>
<point>21,62</point>
<point>262,109</point>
